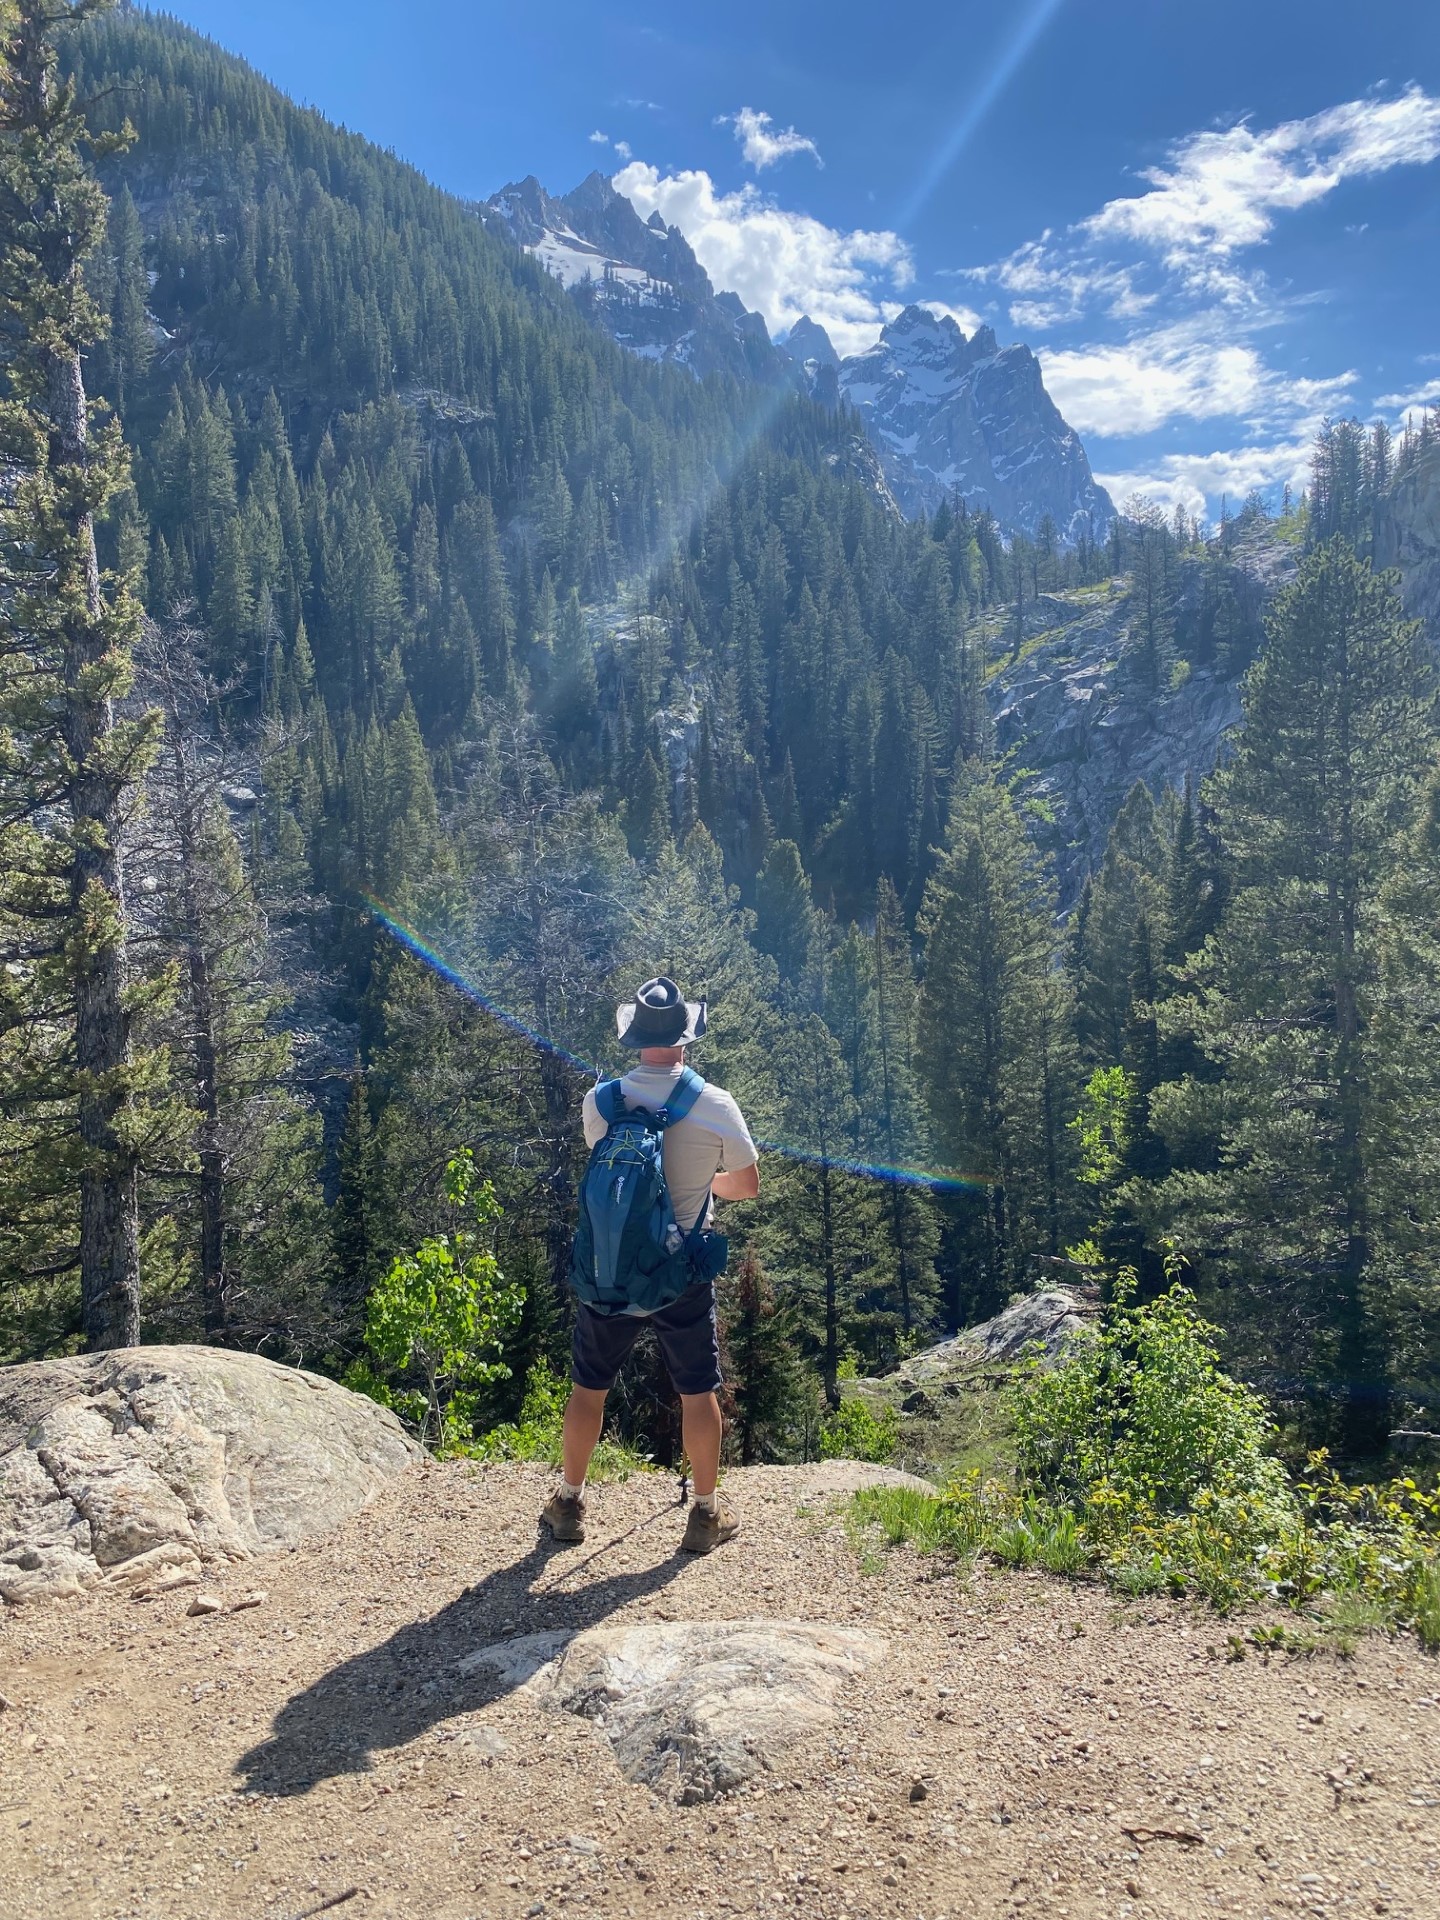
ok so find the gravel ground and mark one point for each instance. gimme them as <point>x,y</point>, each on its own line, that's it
<point>1075,1755</point>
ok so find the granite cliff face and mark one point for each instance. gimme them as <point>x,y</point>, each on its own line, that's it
<point>950,415</point>
<point>1408,537</point>
<point>1071,710</point>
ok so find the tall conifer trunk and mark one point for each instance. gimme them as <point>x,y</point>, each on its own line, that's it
<point>56,216</point>
<point>109,1181</point>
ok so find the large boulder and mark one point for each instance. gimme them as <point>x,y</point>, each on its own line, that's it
<point>122,1465</point>
<point>692,1707</point>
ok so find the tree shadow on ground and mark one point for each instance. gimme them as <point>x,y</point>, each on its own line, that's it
<point>413,1681</point>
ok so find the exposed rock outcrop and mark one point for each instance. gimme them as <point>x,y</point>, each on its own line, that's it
<point>697,1707</point>
<point>1408,537</point>
<point>1075,712</point>
<point>1037,1322</point>
<point>122,1465</point>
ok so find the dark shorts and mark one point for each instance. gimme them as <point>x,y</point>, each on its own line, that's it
<point>689,1342</point>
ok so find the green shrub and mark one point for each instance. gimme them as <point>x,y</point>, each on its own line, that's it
<point>443,1309</point>
<point>1141,1411</point>
<point>854,1432</point>
<point>537,1433</point>
<point>1139,1458</point>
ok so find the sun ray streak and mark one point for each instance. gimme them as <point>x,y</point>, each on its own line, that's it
<point>1011,59</point>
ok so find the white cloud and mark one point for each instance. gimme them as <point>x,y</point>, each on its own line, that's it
<point>623,148</point>
<point>1181,324</point>
<point>1180,372</point>
<point>1198,481</point>
<point>599,139</point>
<point>763,143</point>
<point>965,318</point>
<point>1221,189</point>
<point>1417,400</point>
<point>780,262</point>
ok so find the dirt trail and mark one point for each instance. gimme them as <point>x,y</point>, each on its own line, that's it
<point>1078,1756</point>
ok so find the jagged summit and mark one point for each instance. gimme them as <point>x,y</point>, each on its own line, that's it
<point>950,414</point>
<point>639,279</point>
<point>807,343</point>
<point>945,414</point>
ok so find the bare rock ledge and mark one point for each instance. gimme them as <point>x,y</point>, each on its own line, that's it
<point>692,1708</point>
<point>122,1465</point>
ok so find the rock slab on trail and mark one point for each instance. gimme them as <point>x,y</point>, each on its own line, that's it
<point>119,1465</point>
<point>692,1707</point>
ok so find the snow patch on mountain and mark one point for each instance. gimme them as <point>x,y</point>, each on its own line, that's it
<point>950,415</point>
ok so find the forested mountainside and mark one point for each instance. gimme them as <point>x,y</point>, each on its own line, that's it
<point>489,668</point>
<point>950,419</point>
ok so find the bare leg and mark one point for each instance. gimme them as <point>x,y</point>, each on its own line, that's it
<point>703,1430</point>
<point>584,1419</point>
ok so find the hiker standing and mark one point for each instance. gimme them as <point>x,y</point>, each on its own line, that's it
<point>663,1146</point>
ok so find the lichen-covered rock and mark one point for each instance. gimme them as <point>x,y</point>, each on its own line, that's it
<point>119,1465</point>
<point>1035,1323</point>
<point>692,1707</point>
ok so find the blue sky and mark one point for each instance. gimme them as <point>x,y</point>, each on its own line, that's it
<point>1213,224</point>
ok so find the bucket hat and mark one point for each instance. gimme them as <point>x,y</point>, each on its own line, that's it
<point>660,1016</point>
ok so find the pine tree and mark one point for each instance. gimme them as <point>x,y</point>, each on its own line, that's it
<point>648,818</point>
<point>1340,726</point>
<point>785,923</point>
<point>763,1366</point>
<point>1404,1119</point>
<point>66,660</point>
<point>253,1212</point>
<point>894,1108</point>
<point>994,1060</point>
<point>1150,654</point>
<point>820,1216</point>
<point>356,1246</point>
<point>1126,890</point>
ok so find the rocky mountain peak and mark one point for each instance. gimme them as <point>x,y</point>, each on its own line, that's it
<point>808,341</point>
<point>945,414</point>
<point>950,415</point>
<point>639,279</point>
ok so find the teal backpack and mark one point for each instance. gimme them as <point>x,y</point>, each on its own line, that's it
<point>630,1255</point>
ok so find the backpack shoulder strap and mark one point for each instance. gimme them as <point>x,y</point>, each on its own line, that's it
<point>688,1089</point>
<point>610,1101</point>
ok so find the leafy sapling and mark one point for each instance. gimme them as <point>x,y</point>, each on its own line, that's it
<point>444,1308</point>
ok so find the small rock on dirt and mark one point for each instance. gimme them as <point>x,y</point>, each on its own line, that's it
<point>204,1603</point>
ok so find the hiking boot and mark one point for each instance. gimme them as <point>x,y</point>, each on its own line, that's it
<point>564,1514</point>
<point>704,1531</point>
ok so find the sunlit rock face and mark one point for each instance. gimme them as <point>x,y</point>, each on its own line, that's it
<point>955,416</point>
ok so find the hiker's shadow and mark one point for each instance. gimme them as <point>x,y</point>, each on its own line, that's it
<point>418,1678</point>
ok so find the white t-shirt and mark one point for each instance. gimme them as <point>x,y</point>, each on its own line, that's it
<point>712,1138</point>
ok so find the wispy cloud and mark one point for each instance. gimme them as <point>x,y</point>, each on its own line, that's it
<point>762,143</point>
<point>1196,481</point>
<point>1158,308</point>
<point>599,139</point>
<point>1136,385</point>
<point>780,262</point>
<point>1420,399</point>
<point>1221,189</point>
